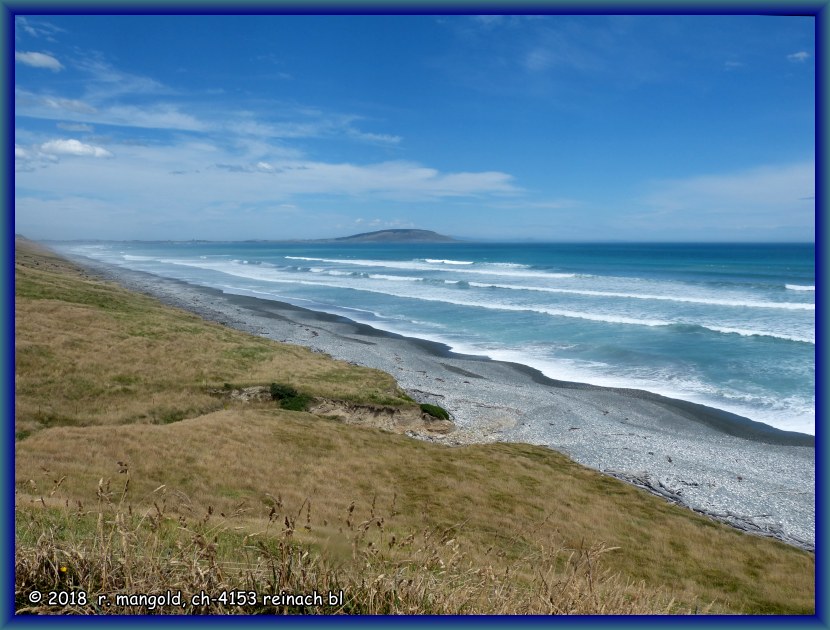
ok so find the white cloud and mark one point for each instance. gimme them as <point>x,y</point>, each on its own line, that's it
<point>74,147</point>
<point>38,60</point>
<point>183,181</point>
<point>173,190</point>
<point>799,57</point>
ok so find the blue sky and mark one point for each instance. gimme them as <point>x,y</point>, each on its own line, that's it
<point>556,127</point>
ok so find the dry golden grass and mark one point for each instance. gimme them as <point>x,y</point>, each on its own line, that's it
<point>94,556</point>
<point>527,525</point>
<point>502,500</point>
<point>88,352</point>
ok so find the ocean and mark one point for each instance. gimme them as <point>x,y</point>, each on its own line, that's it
<point>730,326</point>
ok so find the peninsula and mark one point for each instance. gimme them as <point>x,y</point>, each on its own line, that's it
<point>392,236</point>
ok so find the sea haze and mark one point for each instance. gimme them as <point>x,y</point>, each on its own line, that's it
<point>729,326</point>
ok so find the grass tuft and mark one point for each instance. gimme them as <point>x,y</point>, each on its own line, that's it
<point>435,411</point>
<point>107,557</point>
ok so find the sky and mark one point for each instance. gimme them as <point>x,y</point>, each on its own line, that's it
<point>488,127</point>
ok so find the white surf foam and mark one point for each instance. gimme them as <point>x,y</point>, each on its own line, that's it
<point>272,275</point>
<point>498,270</point>
<point>645,296</point>
<point>448,262</point>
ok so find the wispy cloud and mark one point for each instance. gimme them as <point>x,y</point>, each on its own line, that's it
<point>35,28</point>
<point>209,187</point>
<point>306,122</point>
<point>48,106</point>
<point>391,180</point>
<point>752,202</point>
<point>160,116</point>
<point>377,223</point>
<point>84,112</point>
<point>106,82</point>
<point>215,171</point>
<point>379,138</point>
<point>38,60</point>
<point>562,49</point>
<point>75,127</point>
<point>753,188</point>
<point>111,96</point>
<point>799,57</point>
<point>529,204</point>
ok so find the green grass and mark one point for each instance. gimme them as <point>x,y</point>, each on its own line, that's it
<point>435,411</point>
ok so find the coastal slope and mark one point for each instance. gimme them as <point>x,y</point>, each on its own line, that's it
<point>135,393</point>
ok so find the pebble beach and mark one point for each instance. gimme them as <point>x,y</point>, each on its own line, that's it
<point>750,475</point>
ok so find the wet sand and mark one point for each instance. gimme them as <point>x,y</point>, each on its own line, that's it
<point>753,476</point>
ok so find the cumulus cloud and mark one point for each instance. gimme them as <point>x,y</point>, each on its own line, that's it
<point>799,57</point>
<point>74,147</point>
<point>38,60</point>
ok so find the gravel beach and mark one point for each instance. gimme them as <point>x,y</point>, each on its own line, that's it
<point>752,476</point>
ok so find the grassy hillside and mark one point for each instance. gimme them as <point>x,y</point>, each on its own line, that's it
<point>132,474</point>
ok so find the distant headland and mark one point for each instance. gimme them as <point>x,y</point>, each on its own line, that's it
<point>392,236</point>
<point>380,236</point>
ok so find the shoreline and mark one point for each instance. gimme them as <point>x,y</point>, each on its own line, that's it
<point>753,476</point>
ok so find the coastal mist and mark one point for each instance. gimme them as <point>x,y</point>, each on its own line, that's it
<point>730,326</point>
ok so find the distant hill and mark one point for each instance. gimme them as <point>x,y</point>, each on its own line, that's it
<point>393,236</point>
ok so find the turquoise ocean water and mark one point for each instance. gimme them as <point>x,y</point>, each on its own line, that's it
<point>729,326</point>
